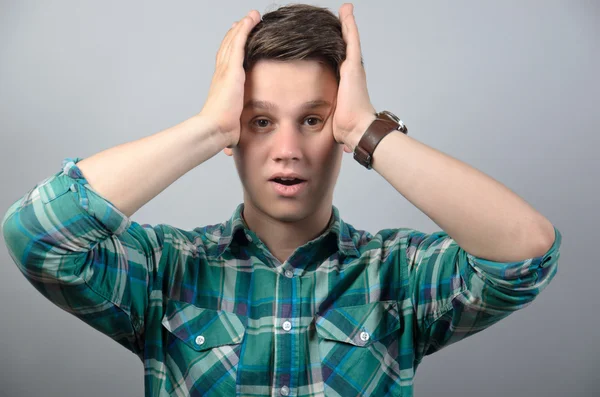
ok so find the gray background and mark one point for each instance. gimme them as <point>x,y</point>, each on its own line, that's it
<point>509,87</point>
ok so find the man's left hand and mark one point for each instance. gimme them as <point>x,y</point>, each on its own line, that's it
<point>353,111</point>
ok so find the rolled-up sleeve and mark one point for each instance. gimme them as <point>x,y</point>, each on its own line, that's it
<point>455,294</point>
<point>84,255</point>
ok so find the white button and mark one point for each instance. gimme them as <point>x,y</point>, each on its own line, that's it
<point>364,336</point>
<point>285,390</point>
<point>289,273</point>
<point>200,340</point>
<point>249,237</point>
<point>287,325</point>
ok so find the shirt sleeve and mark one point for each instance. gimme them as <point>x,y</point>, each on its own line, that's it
<point>85,255</point>
<point>455,294</point>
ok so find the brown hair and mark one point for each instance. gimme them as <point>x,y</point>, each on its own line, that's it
<point>297,31</point>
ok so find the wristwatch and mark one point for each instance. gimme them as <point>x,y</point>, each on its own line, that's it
<point>385,123</point>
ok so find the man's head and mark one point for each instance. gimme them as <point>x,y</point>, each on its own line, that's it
<point>292,62</point>
<point>297,32</point>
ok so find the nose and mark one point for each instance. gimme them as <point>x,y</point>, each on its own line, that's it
<point>287,143</point>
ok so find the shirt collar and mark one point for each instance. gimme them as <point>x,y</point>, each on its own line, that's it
<point>237,225</point>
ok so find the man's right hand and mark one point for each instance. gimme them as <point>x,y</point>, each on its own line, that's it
<point>223,106</point>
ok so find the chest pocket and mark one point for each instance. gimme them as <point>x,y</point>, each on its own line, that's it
<point>358,348</point>
<point>202,349</point>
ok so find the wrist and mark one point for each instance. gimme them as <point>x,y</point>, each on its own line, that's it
<point>354,136</point>
<point>209,129</point>
<point>216,131</point>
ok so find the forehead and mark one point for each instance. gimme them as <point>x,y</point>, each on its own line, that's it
<point>290,84</point>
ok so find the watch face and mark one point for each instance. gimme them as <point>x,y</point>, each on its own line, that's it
<point>394,118</point>
<point>391,116</point>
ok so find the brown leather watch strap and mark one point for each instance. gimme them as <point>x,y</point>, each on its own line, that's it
<point>379,128</point>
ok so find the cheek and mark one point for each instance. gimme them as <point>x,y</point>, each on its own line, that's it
<point>248,163</point>
<point>328,156</point>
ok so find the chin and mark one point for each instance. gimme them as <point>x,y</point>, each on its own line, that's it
<point>283,209</point>
<point>288,210</point>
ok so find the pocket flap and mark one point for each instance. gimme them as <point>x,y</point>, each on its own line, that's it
<point>201,328</point>
<point>359,325</point>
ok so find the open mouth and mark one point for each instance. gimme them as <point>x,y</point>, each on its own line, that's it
<point>288,181</point>
<point>288,187</point>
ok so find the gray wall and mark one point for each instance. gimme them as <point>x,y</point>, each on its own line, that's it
<point>509,87</point>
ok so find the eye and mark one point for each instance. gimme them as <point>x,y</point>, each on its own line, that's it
<point>261,123</point>
<point>313,121</point>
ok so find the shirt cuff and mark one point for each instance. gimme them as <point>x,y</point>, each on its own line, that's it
<point>71,179</point>
<point>514,270</point>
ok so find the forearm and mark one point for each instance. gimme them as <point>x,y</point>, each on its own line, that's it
<point>483,216</point>
<point>131,174</point>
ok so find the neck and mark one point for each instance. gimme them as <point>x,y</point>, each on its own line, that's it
<point>283,237</point>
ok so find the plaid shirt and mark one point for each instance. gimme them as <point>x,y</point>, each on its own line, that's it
<point>211,312</point>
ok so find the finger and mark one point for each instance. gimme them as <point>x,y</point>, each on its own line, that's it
<point>238,43</point>
<point>225,42</point>
<point>350,32</point>
<point>226,46</point>
<point>236,31</point>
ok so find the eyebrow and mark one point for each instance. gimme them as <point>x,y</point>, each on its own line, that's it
<point>255,104</point>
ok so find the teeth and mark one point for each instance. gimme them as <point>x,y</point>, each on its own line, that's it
<point>286,179</point>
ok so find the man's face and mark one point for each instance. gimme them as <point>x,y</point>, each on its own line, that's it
<point>286,127</point>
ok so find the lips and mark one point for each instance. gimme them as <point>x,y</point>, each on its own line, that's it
<point>289,190</point>
<point>288,184</point>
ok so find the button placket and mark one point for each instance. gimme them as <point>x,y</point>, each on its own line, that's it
<point>288,313</point>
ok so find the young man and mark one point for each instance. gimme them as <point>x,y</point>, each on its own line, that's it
<point>285,298</point>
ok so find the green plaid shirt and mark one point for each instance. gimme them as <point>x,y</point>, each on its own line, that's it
<point>211,312</point>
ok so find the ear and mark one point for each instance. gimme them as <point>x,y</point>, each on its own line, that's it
<point>228,151</point>
<point>347,149</point>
